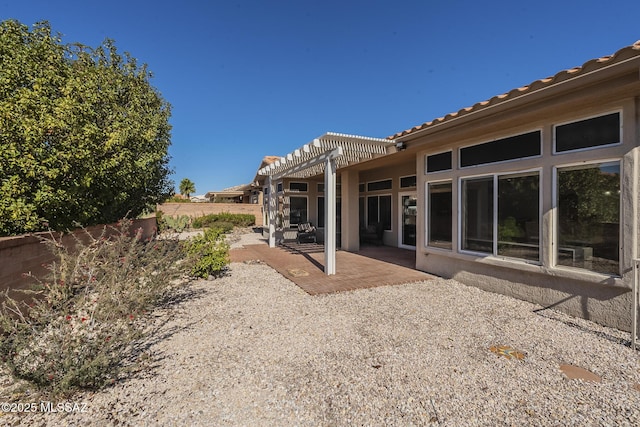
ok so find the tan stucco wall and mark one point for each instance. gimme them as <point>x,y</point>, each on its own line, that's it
<point>374,171</point>
<point>601,303</point>
<point>394,172</point>
<point>602,298</point>
<point>200,209</point>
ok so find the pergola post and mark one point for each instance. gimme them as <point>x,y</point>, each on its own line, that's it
<point>325,155</point>
<point>330,216</point>
<point>272,211</point>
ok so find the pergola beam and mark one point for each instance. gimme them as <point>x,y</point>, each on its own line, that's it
<point>325,154</point>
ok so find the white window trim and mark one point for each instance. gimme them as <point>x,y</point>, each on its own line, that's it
<point>427,215</point>
<point>540,129</point>
<point>426,161</point>
<point>494,245</point>
<point>555,239</point>
<point>606,113</point>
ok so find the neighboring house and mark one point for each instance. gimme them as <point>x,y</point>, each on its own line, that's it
<point>246,193</point>
<point>199,199</point>
<point>532,194</point>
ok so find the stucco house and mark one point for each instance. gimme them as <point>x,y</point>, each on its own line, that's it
<point>245,193</point>
<point>532,193</point>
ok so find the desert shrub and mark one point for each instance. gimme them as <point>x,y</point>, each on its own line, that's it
<point>223,226</point>
<point>177,224</point>
<point>89,308</point>
<point>177,199</point>
<point>208,253</point>
<point>238,220</point>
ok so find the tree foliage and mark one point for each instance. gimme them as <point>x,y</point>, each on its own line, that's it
<point>84,137</point>
<point>187,187</point>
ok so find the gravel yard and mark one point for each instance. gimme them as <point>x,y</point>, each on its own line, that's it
<point>253,349</point>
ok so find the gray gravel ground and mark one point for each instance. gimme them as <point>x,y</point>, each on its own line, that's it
<point>252,349</point>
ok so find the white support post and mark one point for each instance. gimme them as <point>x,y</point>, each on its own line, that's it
<point>330,216</point>
<point>272,212</point>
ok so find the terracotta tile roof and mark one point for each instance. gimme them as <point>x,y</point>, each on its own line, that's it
<point>589,66</point>
<point>236,188</point>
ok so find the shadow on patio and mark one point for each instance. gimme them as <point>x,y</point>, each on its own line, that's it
<point>303,264</point>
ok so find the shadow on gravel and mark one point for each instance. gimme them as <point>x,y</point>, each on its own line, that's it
<point>559,317</point>
<point>142,362</point>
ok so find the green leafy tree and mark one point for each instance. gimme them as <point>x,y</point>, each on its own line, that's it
<point>187,187</point>
<point>84,137</point>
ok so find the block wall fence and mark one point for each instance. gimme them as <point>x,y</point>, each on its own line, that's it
<point>27,253</point>
<point>200,209</point>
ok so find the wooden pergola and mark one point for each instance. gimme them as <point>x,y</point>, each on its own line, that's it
<point>324,155</point>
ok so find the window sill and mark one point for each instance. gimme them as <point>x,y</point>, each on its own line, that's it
<point>532,267</point>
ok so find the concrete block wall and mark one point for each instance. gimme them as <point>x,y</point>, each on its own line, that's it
<point>201,209</point>
<point>28,253</point>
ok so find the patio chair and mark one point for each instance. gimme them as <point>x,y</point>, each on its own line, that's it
<point>373,233</point>
<point>306,233</point>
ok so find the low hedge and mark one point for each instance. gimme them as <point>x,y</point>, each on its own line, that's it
<point>219,220</point>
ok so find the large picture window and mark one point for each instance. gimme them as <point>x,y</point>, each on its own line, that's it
<point>379,210</point>
<point>588,200</point>
<point>440,219</point>
<point>502,221</point>
<point>477,218</point>
<point>518,213</point>
<point>297,210</point>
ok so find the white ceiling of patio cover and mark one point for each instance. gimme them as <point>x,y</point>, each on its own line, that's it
<point>303,162</point>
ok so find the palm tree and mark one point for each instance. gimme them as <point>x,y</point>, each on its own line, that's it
<point>187,187</point>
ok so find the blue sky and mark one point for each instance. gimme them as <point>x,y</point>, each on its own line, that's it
<point>250,78</point>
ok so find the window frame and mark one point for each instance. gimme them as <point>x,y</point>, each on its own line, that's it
<point>556,224</point>
<point>426,162</point>
<point>390,195</point>
<point>495,177</point>
<point>294,190</point>
<point>555,152</point>
<point>377,181</point>
<point>291,224</point>
<point>408,176</point>
<point>427,215</point>
<point>507,136</point>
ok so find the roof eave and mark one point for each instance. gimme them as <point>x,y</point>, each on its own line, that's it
<point>624,60</point>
